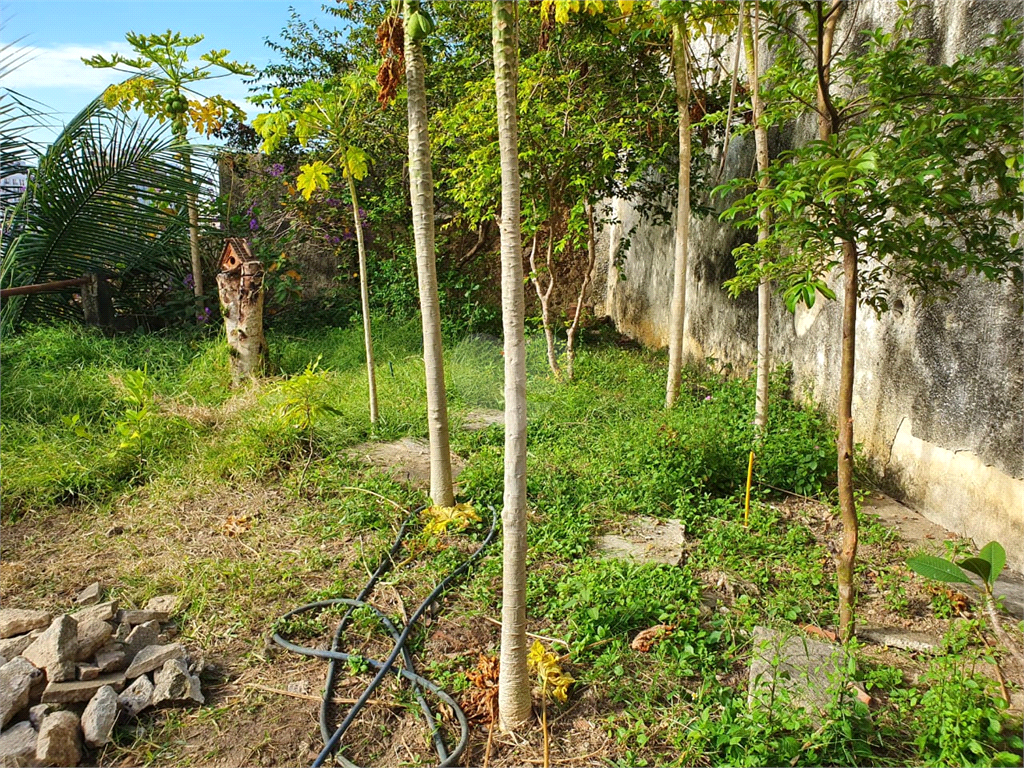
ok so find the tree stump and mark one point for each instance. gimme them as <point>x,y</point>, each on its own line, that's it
<point>240,284</point>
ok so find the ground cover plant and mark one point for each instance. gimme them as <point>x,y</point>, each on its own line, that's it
<point>228,502</point>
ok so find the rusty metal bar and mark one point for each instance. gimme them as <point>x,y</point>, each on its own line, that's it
<point>53,287</point>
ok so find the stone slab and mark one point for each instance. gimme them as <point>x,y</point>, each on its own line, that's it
<point>18,745</point>
<point>99,612</point>
<point>59,743</point>
<point>137,696</point>
<point>80,690</point>
<point>153,657</point>
<point>90,595</point>
<point>53,649</point>
<point>812,673</point>
<point>92,635</point>
<point>645,540</point>
<point>407,460</point>
<point>99,716</point>
<point>17,677</point>
<point>14,646</point>
<point>480,419</point>
<point>17,621</point>
<point>174,687</point>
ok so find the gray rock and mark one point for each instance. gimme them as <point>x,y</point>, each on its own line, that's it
<point>92,635</point>
<point>3,660</point>
<point>123,630</point>
<point>59,743</point>
<point>137,696</point>
<point>810,672</point>
<point>153,657</point>
<point>136,617</point>
<point>163,604</point>
<point>16,621</point>
<point>142,636</point>
<point>18,745</point>
<point>906,639</point>
<point>54,648</point>
<point>645,540</point>
<point>175,687</point>
<point>17,677</point>
<point>87,672</point>
<point>99,716</point>
<point>90,595</point>
<point>100,612</point>
<point>80,690</point>
<point>37,713</point>
<point>13,646</point>
<point>112,657</point>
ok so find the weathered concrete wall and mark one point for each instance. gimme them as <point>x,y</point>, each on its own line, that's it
<point>939,392</point>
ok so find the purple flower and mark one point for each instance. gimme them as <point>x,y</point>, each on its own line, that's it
<point>333,202</point>
<point>253,224</point>
<point>362,215</point>
<point>708,399</point>
<point>205,316</point>
<point>349,235</point>
<point>333,239</point>
<point>276,169</point>
<point>189,281</point>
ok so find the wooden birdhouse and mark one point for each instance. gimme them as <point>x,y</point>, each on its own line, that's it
<point>236,252</point>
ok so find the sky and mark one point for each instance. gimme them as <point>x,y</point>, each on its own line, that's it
<point>52,36</point>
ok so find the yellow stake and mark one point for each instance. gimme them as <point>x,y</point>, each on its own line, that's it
<point>746,502</point>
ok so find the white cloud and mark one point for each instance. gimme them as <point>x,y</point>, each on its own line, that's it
<point>62,67</point>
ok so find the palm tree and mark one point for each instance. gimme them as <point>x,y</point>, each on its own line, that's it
<point>421,188</point>
<point>514,686</point>
<point>107,196</point>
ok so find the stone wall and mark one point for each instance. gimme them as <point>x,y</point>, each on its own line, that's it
<point>939,392</point>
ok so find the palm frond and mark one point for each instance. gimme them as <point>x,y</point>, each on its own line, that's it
<point>108,196</point>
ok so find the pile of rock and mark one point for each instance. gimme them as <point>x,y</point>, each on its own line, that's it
<point>70,678</point>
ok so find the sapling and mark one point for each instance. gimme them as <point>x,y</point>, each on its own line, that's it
<point>987,565</point>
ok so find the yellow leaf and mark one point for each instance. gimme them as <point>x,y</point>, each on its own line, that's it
<point>626,6</point>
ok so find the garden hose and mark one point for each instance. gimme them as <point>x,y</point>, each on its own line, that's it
<point>332,738</point>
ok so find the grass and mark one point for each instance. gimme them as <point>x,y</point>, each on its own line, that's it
<point>226,503</point>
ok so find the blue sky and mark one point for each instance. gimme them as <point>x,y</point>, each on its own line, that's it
<point>53,35</point>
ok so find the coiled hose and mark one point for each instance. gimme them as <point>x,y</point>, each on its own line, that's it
<point>333,738</point>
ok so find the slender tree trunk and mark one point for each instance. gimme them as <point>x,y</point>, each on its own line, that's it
<point>681,71</point>
<point>193,231</point>
<point>364,295</point>
<point>829,123</point>
<point>421,192</point>
<point>514,702</point>
<point>544,295</point>
<point>751,40</point>
<point>847,506</point>
<point>574,326</point>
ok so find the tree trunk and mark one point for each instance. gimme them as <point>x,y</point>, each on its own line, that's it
<point>514,703</point>
<point>751,40</point>
<point>574,326</point>
<point>681,71</point>
<point>421,189</point>
<point>828,124</point>
<point>193,232</point>
<point>241,300</point>
<point>545,298</point>
<point>364,295</point>
<point>847,506</point>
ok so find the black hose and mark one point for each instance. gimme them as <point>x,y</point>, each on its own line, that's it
<point>333,738</point>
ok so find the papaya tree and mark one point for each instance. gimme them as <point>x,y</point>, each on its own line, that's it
<point>418,25</point>
<point>916,174</point>
<point>514,702</point>
<point>163,84</point>
<point>330,113</point>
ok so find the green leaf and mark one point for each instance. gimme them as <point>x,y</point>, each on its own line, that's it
<point>355,163</point>
<point>976,565</point>
<point>938,569</point>
<point>994,553</point>
<point>312,178</point>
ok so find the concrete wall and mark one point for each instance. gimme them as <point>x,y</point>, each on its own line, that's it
<point>939,392</point>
